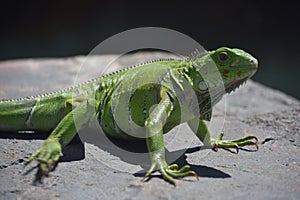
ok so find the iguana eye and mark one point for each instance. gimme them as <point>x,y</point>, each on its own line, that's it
<point>223,56</point>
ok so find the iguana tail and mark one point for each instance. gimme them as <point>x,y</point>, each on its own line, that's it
<point>15,113</point>
<point>32,113</point>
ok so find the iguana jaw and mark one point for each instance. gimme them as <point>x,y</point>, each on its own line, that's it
<point>230,87</point>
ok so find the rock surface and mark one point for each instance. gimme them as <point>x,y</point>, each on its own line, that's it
<point>91,172</point>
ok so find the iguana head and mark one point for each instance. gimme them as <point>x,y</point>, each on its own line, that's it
<point>223,67</point>
<point>235,66</point>
<point>218,72</point>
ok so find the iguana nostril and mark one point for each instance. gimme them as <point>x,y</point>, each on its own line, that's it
<point>253,61</point>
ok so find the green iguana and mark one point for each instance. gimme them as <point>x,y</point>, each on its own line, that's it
<point>157,105</point>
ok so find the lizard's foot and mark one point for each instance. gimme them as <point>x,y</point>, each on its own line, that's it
<point>47,155</point>
<point>244,141</point>
<point>171,172</point>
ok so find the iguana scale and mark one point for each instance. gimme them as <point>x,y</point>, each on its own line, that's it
<point>154,107</point>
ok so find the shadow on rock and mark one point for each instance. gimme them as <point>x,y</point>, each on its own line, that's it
<point>201,171</point>
<point>132,152</point>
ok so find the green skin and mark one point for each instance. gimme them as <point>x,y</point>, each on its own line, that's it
<point>154,107</point>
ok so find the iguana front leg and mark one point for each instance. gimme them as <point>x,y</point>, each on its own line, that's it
<point>155,144</point>
<point>49,153</point>
<point>200,129</point>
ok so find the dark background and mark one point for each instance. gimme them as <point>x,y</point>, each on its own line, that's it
<point>58,28</point>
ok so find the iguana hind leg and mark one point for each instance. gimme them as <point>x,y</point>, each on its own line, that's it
<point>49,153</point>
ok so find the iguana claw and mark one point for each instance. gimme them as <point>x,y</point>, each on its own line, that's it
<point>245,141</point>
<point>171,172</point>
<point>47,155</point>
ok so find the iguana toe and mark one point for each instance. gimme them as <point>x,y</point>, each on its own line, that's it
<point>236,144</point>
<point>48,154</point>
<point>171,172</point>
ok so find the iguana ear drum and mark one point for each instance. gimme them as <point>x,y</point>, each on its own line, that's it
<point>203,86</point>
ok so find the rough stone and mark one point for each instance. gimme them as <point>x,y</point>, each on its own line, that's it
<point>93,172</point>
